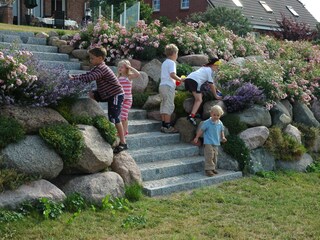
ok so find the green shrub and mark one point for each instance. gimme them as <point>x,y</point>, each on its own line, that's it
<point>283,147</point>
<point>236,148</point>
<point>66,139</point>
<point>148,53</point>
<point>105,128</point>
<point>49,209</point>
<point>10,131</point>
<point>133,192</point>
<point>75,203</point>
<point>314,167</point>
<point>139,99</point>
<point>233,123</point>
<point>267,174</point>
<point>64,108</point>
<point>309,134</point>
<point>11,179</point>
<point>178,102</point>
<point>9,216</point>
<point>183,69</point>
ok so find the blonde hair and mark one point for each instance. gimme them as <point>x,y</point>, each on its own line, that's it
<point>171,49</point>
<point>217,109</point>
<point>122,62</point>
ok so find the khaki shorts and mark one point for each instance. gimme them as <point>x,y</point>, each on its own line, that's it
<point>210,156</point>
<point>167,99</point>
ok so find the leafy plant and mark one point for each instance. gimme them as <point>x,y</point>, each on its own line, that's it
<point>10,131</point>
<point>105,128</point>
<point>115,204</point>
<point>75,203</point>
<point>139,99</point>
<point>179,98</point>
<point>314,167</point>
<point>11,179</point>
<point>282,146</point>
<point>309,134</point>
<point>236,148</point>
<point>9,216</point>
<point>66,139</point>
<point>134,221</point>
<point>233,123</point>
<point>133,192</point>
<point>267,174</point>
<point>183,69</point>
<point>49,209</point>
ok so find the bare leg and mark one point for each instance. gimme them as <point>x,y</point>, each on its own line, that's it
<point>197,102</point>
<point>125,126</point>
<point>120,132</point>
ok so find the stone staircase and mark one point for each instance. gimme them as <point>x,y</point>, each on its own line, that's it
<point>166,164</point>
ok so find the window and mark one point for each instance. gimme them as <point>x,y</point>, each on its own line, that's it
<point>185,4</point>
<point>266,7</point>
<point>156,5</point>
<point>293,11</point>
<point>238,3</point>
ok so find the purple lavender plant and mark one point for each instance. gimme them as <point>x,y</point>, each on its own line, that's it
<point>244,97</point>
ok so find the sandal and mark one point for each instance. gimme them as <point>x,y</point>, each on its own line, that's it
<point>121,147</point>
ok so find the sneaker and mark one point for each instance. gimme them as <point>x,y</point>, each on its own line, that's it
<point>192,120</point>
<point>215,171</point>
<point>162,129</point>
<point>170,130</point>
<point>121,147</point>
<point>209,173</point>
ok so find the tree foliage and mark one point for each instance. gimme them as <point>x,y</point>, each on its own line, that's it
<point>293,30</point>
<point>232,19</point>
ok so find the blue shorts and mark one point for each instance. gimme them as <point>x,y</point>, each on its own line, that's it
<point>114,108</point>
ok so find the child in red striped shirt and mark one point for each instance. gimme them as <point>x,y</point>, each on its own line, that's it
<point>125,75</point>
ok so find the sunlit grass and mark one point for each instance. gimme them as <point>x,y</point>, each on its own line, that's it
<point>286,207</point>
<point>25,28</point>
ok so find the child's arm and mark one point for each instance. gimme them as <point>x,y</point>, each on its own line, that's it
<point>135,73</point>
<point>199,133</point>
<point>223,138</point>
<point>174,76</point>
<point>214,91</point>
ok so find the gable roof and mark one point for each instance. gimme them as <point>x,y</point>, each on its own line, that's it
<point>261,19</point>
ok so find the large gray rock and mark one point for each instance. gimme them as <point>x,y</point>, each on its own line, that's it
<point>81,54</point>
<point>260,160</point>
<point>66,49</point>
<point>95,187</point>
<point>194,59</point>
<point>126,167</point>
<point>98,154</point>
<point>86,107</point>
<point>299,166</point>
<point>255,116</point>
<point>153,102</point>
<point>254,137</point>
<point>188,104</point>
<point>280,115</point>
<point>315,108</point>
<point>240,61</point>
<point>33,157</point>
<point>31,192</point>
<point>303,114</point>
<point>140,84</point>
<point>293,132</point>
<point>153,69</point>
<point>186,129</point>
<point>32,118</point>
<point>286,103</point>
<point>227,162</point>
<point>208,105</point>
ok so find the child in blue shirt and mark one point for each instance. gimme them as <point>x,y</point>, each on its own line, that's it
<point>213,133</point>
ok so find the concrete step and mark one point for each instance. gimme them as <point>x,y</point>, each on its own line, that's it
<point>139,126</point>
<point>24,36</point>
<point>166,152</point>
<point>37,41</point>
<point>73,71</point>
<point>51,56</point>
<point>134,114</point>
<point>32,47</point>
<point>171,168</point>
<point>151,139</point>
<point>10,39</point>
<point>57,64</point>
<point>187,182</point>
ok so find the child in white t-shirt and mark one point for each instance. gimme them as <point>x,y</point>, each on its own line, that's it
<point>167,87</point>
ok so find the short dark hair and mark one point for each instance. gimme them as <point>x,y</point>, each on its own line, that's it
<point>98,52</point>
<point>212,61</point>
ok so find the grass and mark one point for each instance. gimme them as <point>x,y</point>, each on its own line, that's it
<point>25,28</point>
<point>285,206</point>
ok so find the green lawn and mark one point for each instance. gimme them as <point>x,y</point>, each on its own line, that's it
<point>24,28</point>
<point>286,207</point>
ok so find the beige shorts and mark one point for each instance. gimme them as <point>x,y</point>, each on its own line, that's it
<point>210,156</point>
<point>167,99</point>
